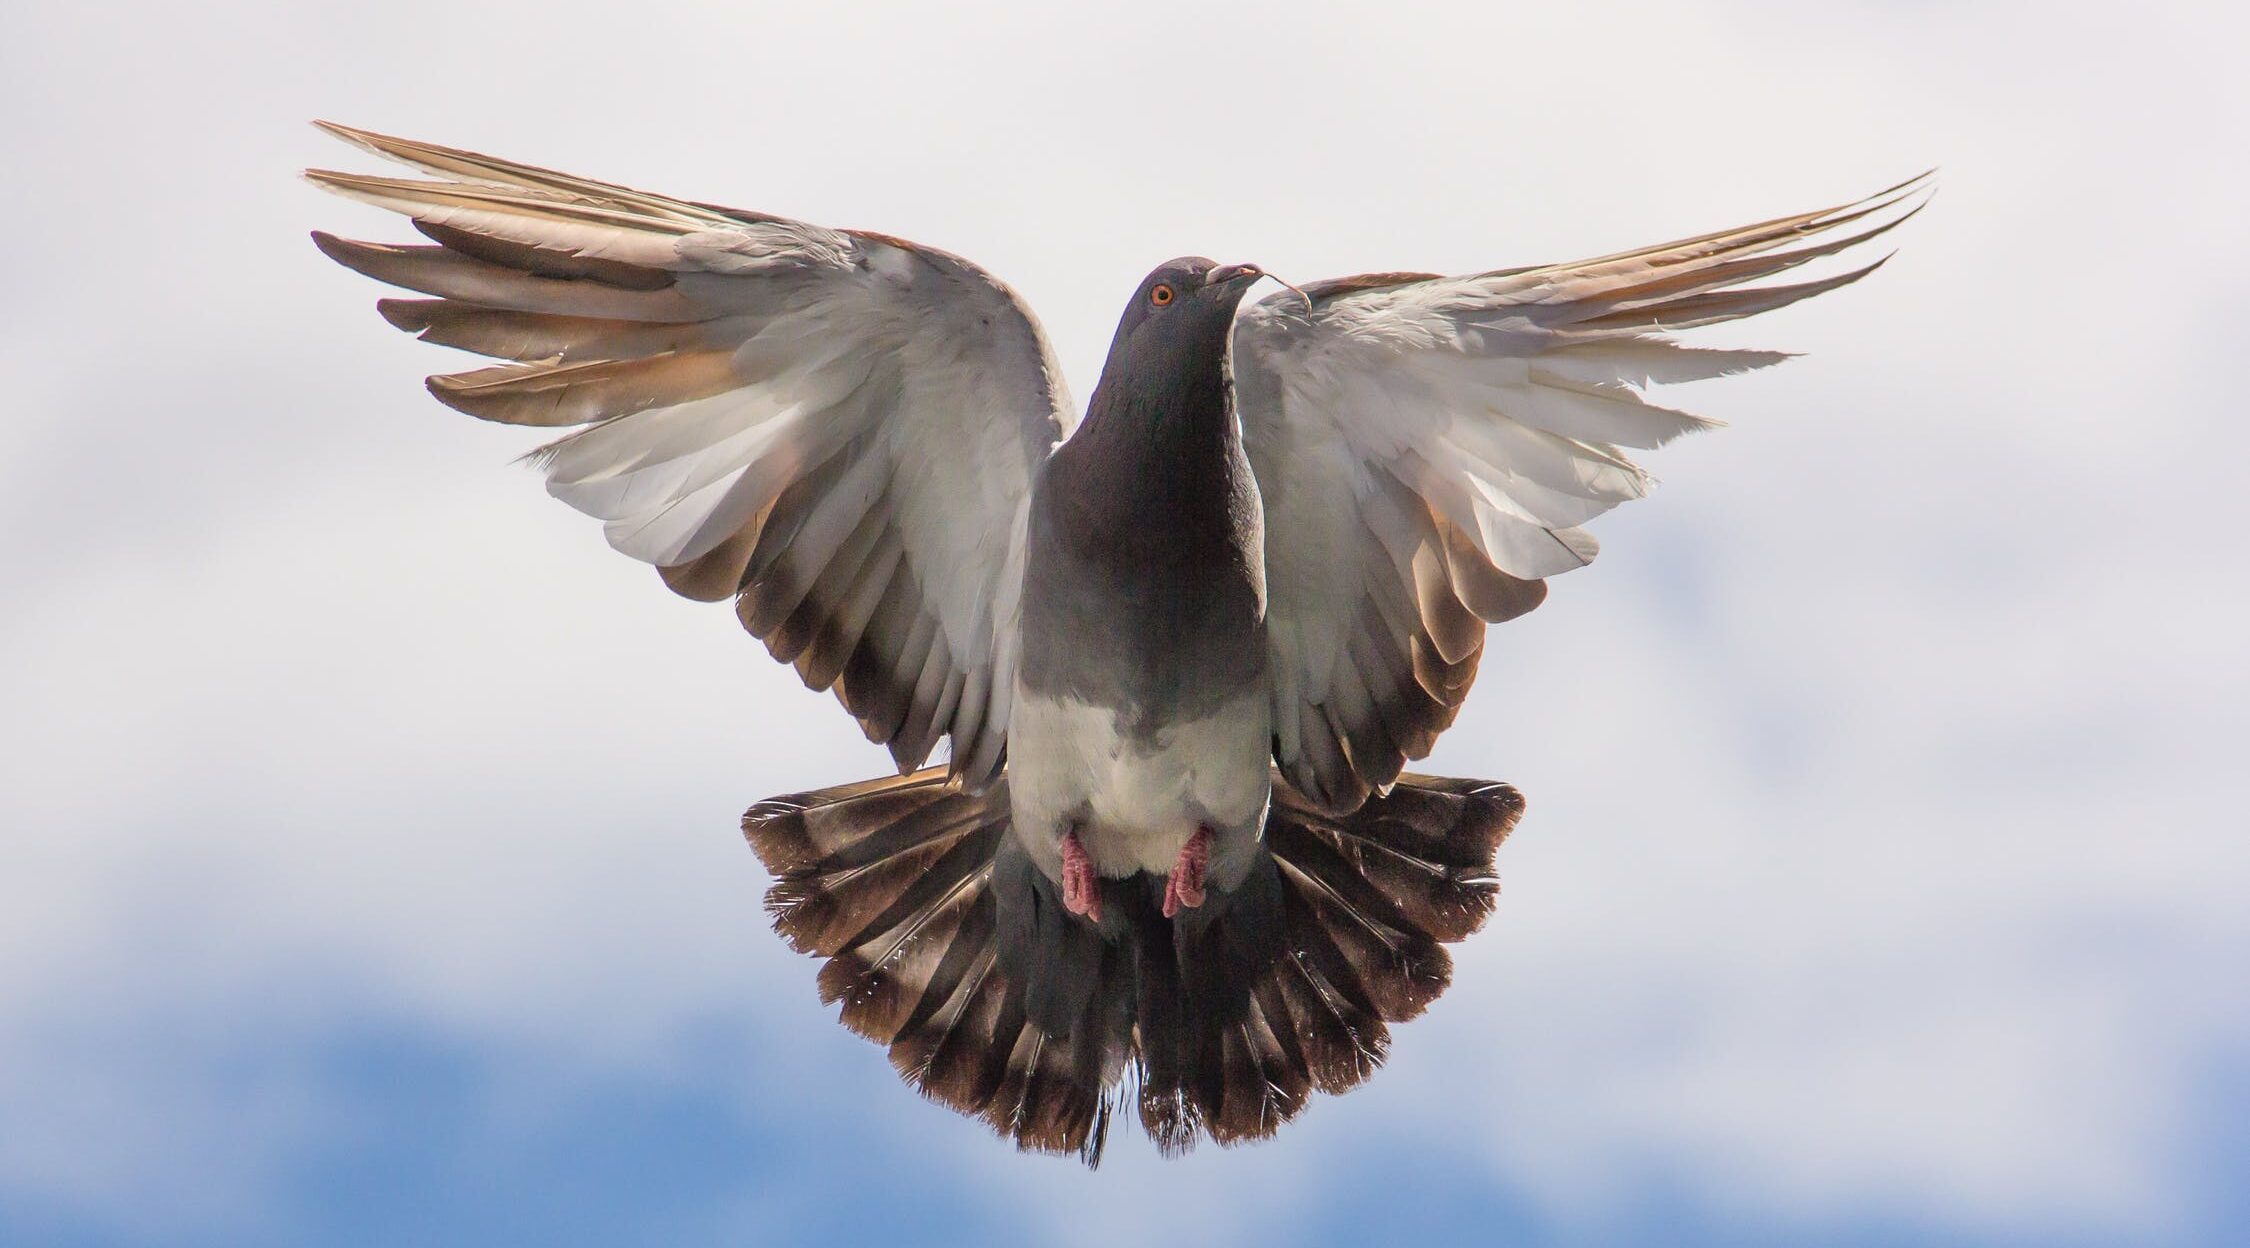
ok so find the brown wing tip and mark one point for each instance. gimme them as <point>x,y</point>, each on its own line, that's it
<point>360,257</point>
<point>456,392</point>
<point>365,140</point>
<point>338,182</point>
<point>387,146</point>
<point>410,315</point>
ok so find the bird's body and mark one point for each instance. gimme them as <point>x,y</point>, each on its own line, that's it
<point>1141,696</point>
<point>1182,649</point>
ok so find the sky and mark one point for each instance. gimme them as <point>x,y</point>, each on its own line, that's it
<point>369,864</point>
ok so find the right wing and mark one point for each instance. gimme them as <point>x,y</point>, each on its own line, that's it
<point>836,428</point>
<point>1427,447</point>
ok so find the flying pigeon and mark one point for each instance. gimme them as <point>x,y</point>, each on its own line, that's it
<point>1182,648</point>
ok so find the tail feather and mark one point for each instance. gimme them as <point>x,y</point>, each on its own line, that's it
<point>893,881</point>
<point>1367,945</point>
<point>882,977</point>
<point>1343,1029</point>
<point>945,944</point>
<point>1427,847</point>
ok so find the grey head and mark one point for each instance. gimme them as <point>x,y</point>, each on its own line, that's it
<point>1174,331</point>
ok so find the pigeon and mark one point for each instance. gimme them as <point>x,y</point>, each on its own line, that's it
<point>1180,649</point>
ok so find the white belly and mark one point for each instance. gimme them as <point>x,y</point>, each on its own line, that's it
<point>1142,798</point>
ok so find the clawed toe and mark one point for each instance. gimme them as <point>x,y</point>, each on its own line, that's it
<point>1183,889</point>
<point>1082,890</point>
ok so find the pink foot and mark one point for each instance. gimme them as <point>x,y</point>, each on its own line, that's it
<point>1082,891</point>
<point>1183,889</point>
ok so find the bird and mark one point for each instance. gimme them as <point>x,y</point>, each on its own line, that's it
<point>1179,648</point>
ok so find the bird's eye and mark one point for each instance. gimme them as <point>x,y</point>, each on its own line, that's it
<point>1160,294</point>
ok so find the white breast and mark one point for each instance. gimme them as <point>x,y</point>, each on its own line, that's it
<point>1144,798</point>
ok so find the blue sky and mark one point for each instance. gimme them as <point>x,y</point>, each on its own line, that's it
<point>368,864</point>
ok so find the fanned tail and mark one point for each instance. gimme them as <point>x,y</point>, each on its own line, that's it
<point>907,885</point>
<point>945,944</point>
<point>1289,986</point>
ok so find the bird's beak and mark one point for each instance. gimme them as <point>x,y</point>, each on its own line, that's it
<point>1232,273</point>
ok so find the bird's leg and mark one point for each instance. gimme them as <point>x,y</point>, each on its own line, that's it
<point>1183,889</point>
<point>1082,890</point>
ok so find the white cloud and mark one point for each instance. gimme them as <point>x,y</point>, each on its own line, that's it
<point>1881,852</point>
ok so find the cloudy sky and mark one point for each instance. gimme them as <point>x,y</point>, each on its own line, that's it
<point>368,862</point>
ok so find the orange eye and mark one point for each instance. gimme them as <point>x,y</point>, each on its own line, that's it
<point>1160,295</point>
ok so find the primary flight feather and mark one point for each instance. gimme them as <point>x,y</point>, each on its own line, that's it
<point>1181,649</point>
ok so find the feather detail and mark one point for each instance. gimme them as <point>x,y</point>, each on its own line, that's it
<point>553,394</point>
<point>449,162</point>
<point>535,336</point>
<point>449,274</point>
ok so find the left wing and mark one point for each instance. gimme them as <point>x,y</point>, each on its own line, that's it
<point>836,428</point>
<point>1428,447</point>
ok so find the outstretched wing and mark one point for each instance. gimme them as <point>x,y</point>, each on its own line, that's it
<point>837,429</point>
<point>1427,448</point>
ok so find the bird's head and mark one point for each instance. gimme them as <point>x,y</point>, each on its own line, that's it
<point>1179,319</point>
